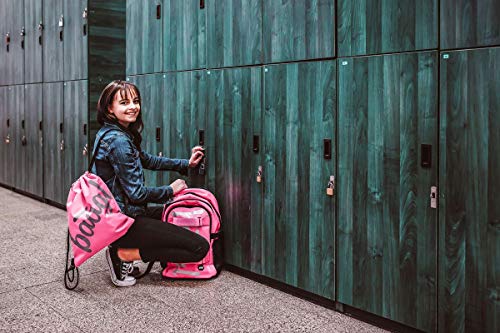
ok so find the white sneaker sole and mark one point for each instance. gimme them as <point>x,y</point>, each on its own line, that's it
<point>127,282</point>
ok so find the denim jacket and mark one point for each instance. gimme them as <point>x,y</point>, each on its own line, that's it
<point>120,165</point>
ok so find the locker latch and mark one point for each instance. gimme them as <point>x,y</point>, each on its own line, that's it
<point>330,189</point>
<point>61,25</point>
<point>24,141</point>
<point>160,154</point>
<point>85,149</point>
<point>40,29</point>
<point>85,14</point>
<point>433,196</point>
<point>61,146</point>
<point>7,139</point>
<point>7,41</point>
<point>23,33</point>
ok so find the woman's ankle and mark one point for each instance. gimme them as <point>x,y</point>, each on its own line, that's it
<point>128,254</point>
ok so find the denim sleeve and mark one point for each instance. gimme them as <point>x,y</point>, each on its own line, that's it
<point>125,161</point>
<point>152,162</point>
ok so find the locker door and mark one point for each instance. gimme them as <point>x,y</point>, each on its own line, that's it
<point>234,33</point>
<point>297,30</point>
<point>33,101</point>
<point>298,215</point>
<point>151,89</point>
<point>17,41</point>
<point>33,41</point>
<point>53,143</point>
<point>234,107</point>
<point>75,44</point>
<point>467,23</point>
<point>386,226</point>
<point>184,35</point>
<point>20,143</point>
<point>4,145</point>
<point>9,39</point>
<point>53,40</point>
<point>144,36</point>
<point>370,27</point>
<point>469,214</point>
<point>11,155</point>
<point>75,131</point>
<point>183,119</point>
<point>3,42</point>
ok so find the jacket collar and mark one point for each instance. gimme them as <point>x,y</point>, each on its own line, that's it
<point>108,125</point>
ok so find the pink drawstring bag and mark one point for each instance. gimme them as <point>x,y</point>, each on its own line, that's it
<point>94,220</point>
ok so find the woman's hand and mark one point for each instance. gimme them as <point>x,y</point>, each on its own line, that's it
<point>197,154</point>
<point>178,185</point>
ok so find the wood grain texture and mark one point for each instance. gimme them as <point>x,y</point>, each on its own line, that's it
<point>33,49</point>
<point>384,26</point>
<point>298,217</point>
<point>19,169</point>
<point>75,42</point>
<point>386,228</point>
<point>3,134</point>
<point>33,97</point>
<point>298,30</point>
<point>234,106</point>
<point>234,33</point>
<point>184,38</point>
<point>144,37</point>
<point>469,182</point>
<point>53,47</point>
<point>53,157</point>
<point>3,50</point>
<point>469,23</point>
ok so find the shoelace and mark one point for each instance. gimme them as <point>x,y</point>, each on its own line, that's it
<point>127,268</point>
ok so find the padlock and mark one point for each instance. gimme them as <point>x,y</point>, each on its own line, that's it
<point>259,175</point>
<point>85,150</point>
<point>7,139</point>
<point>331,186</point>
<point>160,154</point>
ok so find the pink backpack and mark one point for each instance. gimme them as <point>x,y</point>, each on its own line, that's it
<point>197,210</point>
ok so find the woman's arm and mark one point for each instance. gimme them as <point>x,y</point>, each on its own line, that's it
<point>152,162</point>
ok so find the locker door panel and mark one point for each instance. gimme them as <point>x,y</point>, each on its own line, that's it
<point>184,38</point>
<point>298,30</point>
<point>53,142</point>
<point>298,215</point>
<point>4,145</point>
<point>3,49</point>
<point>144,37</point>
<point>469,238</point>
<point>53,40</point>
<point>33,44</point>
<point>33,97</point>
<point>75,130</point>
<point>11,156</point>
<point>18,42</point>
<point>20,147</point>
<point>76,39</point>
<point>234,106</point>
<point>370,27</point>
<point>386,227</point>
<point>234,33</point>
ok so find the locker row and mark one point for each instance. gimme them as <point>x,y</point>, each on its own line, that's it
<point>165,35</point>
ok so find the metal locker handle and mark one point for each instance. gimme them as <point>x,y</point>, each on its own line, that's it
<point>202,4</point>
<point>158,12</point>
<point>85,149</point>
<point>23,33</point>
<point>201,135</point>
<point>40,29</point>
<point>256,143</point>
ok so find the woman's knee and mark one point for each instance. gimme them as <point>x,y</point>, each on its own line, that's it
<point>202,249</point>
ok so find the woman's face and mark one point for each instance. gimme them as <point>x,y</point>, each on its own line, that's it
<point>125,107</point>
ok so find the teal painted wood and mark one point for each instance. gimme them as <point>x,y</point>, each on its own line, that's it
<point>20,148</point>
<point>144,37</point>
<point>469,238</point>
<point>75,131</point>
<point>33,97</point>
<point>184,115</point>
<point>33,51</point>
<point>53,52</point>
<point>75,40</point>
<point>234,106</point>
<point>386,228</point>
<point>234,33</point>
<point>53,165</point>
<point>370,27</point>
<point>298,216</point>
<point>469,23</point>
<point>3,133</point>
<point>151,89</point>
<point>298,30</point>
<point>184,38</point>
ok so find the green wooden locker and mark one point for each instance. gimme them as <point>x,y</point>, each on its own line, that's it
<point>234,118</point>
<point>53,40</point>
<point>466,23</point>
<point>33,97</point>
<point>386,260</point>
<point>298,30</point>
<point>469,214</point>
<point>20,147</point>
<point>234,33</point>
<point>184,117</point>
<point>151,90</point>
<point>75,131</point>
<point>298,223</point>
<point>184,38</point>
<point>144,36</point>
<point>53,143</point>
<point>33,17</point>
<point>14,55</point>
<point>75,40</point>
<point>4,145</point>
<point>371,27</point>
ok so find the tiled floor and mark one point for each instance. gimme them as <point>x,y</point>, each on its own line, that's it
<point>33,297</point>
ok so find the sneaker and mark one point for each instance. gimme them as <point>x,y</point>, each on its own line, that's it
<point>119,269</point>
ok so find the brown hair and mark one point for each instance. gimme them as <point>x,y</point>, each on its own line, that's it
<point>105,101</point>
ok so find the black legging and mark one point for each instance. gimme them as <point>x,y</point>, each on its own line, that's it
<point>161,241</point>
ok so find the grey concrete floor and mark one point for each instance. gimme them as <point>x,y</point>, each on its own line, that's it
<point>33,297</point>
